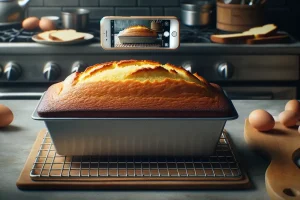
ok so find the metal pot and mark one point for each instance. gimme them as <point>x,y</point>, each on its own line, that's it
<point>77,19</point>
<point>12,11</point>
<point>196,13</point>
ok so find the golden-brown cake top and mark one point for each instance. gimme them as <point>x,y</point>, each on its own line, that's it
<point>138,70</point>
<point>138,31</point>
<point>134,88</point>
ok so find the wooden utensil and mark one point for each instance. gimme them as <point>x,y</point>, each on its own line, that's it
<point>231,1</point>
<point>251,3</point>
<point>282,144</point>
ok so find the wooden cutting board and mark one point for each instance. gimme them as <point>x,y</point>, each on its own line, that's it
<point>25,182</point>
<point>282,144</point>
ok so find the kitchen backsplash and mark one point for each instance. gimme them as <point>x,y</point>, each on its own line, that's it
<point>284,13</point>
<point>100,8</point>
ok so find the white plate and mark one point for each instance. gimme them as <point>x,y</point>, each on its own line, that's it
<point>87,37</point>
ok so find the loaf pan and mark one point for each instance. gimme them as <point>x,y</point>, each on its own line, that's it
<point>137,40</point>
<point>135,136</point>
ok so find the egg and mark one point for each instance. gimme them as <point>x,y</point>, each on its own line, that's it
<point>6,116</point>
<point>30,23</point>
<point>47,24</point>
<point>261,120</point>
<point>299,129</point>
<point>288,118</point>
<point>293,105</point>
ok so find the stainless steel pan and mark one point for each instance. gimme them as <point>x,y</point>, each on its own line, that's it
<point>77,19</point>
<point>12,11</point>
<point>137,40</point>
<point>135,136</point>
<point>196,13</point>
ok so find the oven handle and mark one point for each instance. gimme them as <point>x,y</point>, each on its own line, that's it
<point>21,95</point>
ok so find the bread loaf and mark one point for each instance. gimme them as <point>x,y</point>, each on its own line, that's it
<point>138,31</point>
<point>134,88</point>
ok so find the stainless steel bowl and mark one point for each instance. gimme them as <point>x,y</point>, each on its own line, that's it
<point>196,13</point>
<point>77,19</point>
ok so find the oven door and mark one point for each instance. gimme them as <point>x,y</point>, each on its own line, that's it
<point>261,93</point>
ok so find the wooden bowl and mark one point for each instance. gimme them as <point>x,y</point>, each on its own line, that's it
<point>238,18</point>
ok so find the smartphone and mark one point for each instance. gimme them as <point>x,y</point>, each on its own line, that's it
<point>139,32</point>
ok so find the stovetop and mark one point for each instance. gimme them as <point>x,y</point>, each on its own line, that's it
<point>187,34</point>
<point>197,34</point>
<point>16,34</point>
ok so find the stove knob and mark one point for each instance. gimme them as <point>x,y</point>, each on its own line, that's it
<point>12,71</point>
<point>187,67</point>
<point>225,70</point>
<point>78,67</point>
<point>51,71</point>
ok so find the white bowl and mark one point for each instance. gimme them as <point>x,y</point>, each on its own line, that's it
<point>55,19</point>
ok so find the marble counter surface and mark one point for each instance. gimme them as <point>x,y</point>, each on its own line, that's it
<point>17,140</point>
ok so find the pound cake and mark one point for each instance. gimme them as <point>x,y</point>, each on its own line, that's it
<point>138,31</point>
<point>134,88</point>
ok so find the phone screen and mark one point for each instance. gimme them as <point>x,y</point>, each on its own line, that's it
<point>140,33</point>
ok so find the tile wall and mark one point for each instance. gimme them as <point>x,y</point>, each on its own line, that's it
<point>285,13</point>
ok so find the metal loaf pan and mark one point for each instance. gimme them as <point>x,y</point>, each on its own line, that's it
<point>135,136</point>
<point>137,40</point>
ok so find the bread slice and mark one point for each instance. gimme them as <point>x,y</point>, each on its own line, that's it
<point>237,38</point>
<point>241,38</point>
<point>45,35</point>
<point>262,31</point>
<point>67,35</point>
<point>278,38</point>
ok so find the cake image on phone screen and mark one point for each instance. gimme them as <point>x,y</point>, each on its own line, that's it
<point>140,33</point>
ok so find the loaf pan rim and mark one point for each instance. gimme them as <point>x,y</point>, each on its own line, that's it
<point>234,115</point>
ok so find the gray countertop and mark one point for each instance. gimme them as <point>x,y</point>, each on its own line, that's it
<point>17,139</point>
<point>185,48</point>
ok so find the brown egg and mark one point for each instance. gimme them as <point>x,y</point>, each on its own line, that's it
<point>30,23</point>
<point>288,118</point>
<point>293,105</point>
<point>6,116</point>
<point>47,24</point>
<point>261,120</point>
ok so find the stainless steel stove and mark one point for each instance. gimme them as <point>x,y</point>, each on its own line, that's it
<point>27,69</point>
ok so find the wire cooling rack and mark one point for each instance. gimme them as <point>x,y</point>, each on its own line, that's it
<point>137,45</point>
<point>49,164</point>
